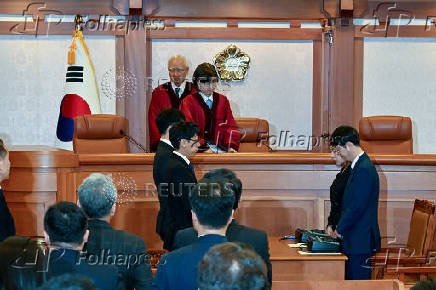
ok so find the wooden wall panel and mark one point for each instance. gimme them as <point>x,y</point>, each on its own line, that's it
<point>139,218</point>
<point>277,216</point>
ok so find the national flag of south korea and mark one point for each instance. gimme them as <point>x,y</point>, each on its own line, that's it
<point>81,91</point>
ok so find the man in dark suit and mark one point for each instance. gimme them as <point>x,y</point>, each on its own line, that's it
<point>235,232</point>
<point>7,225</point>
<point>358,226</point>
<point>211,202</point>
<point>179,178</point>
<point>97,198</point>
<point>164,121</point>
<point>65,232</point>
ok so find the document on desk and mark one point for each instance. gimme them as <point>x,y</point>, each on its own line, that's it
<point>297,245</point>
<point>310,253</point>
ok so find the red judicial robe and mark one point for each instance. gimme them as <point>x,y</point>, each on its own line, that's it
<point>163,97</point>
<point>217,125</point>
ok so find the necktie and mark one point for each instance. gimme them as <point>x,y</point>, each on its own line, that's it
<point>192,167</point>
<point>177,90</point>
<point>209,103</point>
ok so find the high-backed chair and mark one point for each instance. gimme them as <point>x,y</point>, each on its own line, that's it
<point>99,133</point>
<point>254,134</point>
<point>386,134</point>
<point>418,242</point>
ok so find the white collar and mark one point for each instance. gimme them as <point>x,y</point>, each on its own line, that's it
<point>166,141</point>
<point>182,87</point>
<point>183,157</point>
<point>205,98</point>
<point>355,159</point>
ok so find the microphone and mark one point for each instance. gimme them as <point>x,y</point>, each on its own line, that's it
<point>131,139</point>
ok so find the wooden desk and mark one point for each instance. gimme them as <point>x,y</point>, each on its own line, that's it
<point>281,191</point>
<point>288,265</point>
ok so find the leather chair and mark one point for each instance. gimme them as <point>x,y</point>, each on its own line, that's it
<point>254,134</point>
<point>386,134</point>
<point>99,133</point>
<point>418,244</point>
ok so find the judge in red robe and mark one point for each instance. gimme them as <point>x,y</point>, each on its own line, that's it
<point>211,111</point>
<point>168,95</point>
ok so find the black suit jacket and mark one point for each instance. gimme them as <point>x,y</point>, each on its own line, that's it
<point>161,157</point>
<point>336,193</point>
<point>235,233</point>
<point>63,261</point>
<point>7,225</point>
<point>359,217</point>
<point>104,240</point>
<point>179,179</point>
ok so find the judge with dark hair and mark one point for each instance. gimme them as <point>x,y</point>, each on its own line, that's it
<point>168,95</point>
<point>7,225</point>
<point>211,111</point>
<point>235,232</point>
<point>212,203</point>
<point>178,179</point>
<point>164,121</point>
<point>358,225</point>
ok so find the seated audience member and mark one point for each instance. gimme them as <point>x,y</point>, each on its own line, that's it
<point>21,264</point>
<point>97,198</point>
<point>168,95</point>
<point>7,226</point>
<point>179,178</point>
<point>211,111</point>
<point>235,232</point>
<point>164,121</point>
<point>211,203</point>
<point>65,231</point>
<point>69,282</point>
<point>231,266</point>
<point>425,285</point>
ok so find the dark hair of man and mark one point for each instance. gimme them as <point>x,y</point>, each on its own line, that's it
<point>232,266</point>
<point>21,264</point>
<point>204,72</point>
<point>344,134</point>
<point>69,282</point>
<point>168,117</point>
<point>182,130</point>
<point>65,222</point>
<point>212,201</point>
<point>3,151</point>
<point>231,178</point>
<point>425,285</point>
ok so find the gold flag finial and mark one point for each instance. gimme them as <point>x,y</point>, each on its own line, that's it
<point>78,20</point>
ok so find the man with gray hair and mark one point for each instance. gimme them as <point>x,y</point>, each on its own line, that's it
<point>169,94</point>
<point>97,198</point>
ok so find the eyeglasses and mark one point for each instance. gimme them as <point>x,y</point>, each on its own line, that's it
<point>178,70</point>
<point>335,150</point>
<point>195,140</point>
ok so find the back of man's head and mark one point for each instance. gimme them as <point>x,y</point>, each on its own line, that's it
<point>97,195</point>
<point>212,201</point>
<point>231,178</point>
<point>343,134</point>
<point>167,118</point>
<point>182,130</point>
<point>65,222</point>
<point>232,266</point>
<point>68,281</point>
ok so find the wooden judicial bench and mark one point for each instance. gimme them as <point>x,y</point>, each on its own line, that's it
<point>281,191</point>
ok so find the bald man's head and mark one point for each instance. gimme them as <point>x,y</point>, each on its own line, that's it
<point>177,69</point>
